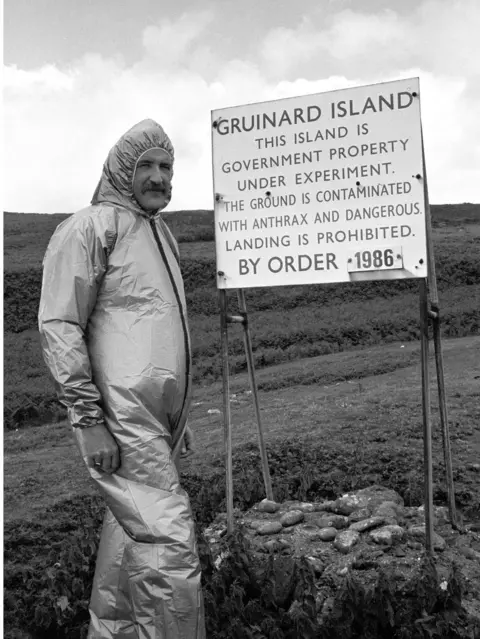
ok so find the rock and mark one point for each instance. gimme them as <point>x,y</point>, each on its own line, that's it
<point>377,495</point>
<point>283,542</point>
<point>305,507</point>
<point>327,534</point>
<point>346,540</point>
<point>470,553</point>
<point>268,506</point>
<point>389,510</point>
<point>348,503</point>
<point>439,542</point>
<point>271,545</point>
<point>358,515</point>
<point>325,505</point>
<point>291,518</point>
<point>371,497</point>
<point>319,599</point>
<point>440,514</point>
<point>365,564</point>
<point>367,524</point>
<point>316,564</point>
<point>335,521</point>
<point>269,528</point>
<point>387,534</point>
<point>255,523</point>
<point>310,532</point>
<point>328,606</point>
<point>419,533</point>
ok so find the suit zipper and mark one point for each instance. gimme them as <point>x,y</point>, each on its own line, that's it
<point>182,314</point>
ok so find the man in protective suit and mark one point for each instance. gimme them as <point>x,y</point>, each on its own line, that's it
<point>114,335</point>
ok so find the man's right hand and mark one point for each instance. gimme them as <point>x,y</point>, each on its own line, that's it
<point>99,449</point>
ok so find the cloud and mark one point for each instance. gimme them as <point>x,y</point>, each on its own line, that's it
<point>60,122</point>
<point>169,43</point>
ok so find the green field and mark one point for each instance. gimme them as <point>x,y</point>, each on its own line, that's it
<point>339,377</point>
<point>287,323</point>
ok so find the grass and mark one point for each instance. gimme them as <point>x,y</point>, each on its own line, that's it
<point>372,394</point>
<point>338,370</point>
<point>287,323</point>
<point>352,419</point>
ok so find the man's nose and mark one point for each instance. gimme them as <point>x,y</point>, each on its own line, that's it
<point>156,176</point>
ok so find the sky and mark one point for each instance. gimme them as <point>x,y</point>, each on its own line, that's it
<point>78,73</point>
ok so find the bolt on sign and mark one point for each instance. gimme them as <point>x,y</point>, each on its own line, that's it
<point>320,188</point>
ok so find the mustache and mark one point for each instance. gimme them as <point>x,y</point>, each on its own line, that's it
<point>167,189</point>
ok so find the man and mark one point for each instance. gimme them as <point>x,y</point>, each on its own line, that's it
<point>114,334</point>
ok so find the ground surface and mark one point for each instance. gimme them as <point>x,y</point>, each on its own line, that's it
<point>364,404</point>
<point>42,465</point>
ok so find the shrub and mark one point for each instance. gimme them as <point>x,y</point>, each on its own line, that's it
<point>49,565</point>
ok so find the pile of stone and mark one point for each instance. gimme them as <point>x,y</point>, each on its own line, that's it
<point>374,515</point>
<point>362,531</point>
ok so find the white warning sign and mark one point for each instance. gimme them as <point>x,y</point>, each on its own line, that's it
<point>320,188</point>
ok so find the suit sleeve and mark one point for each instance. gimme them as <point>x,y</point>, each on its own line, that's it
<point>73,268</point>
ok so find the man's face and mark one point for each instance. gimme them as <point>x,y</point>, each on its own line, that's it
<point>152,182</point>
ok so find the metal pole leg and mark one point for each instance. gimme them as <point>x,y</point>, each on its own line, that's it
<point>253,385</point>
<point>227,422</point>
<point>447,453</point>
<point>433,293</point>
<point>427,425</point>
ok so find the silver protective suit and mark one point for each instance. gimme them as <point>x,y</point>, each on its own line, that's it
<point>114,334</point>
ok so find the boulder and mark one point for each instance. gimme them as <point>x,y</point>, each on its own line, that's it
<point>269,528</point>
<point>387,534</point>
<point>346,540</point>
<point>291,517</point>
<point>316,564</point>
<point>327,534</point>
<point>367,524</point>
<point>312,533</point>
<point>418,533</point>
<point>358,515</point>
<point>371,498</point>
<point>330,521</point>
<point>390,511</point>
<point>268,506</point>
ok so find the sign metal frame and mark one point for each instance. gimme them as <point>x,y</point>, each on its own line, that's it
<point>429,312</point>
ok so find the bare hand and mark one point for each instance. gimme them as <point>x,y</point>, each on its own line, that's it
<point>188,446</point>
<point>99,449</point>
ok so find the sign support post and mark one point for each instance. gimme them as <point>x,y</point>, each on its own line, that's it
<point>427,424</point>
<point>227,420</point>
<point>253,385</point>
<point>318,189</point>
<point>434,315</point>
<point>225,319</point>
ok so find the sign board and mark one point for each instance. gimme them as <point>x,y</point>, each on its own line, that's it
<point>320,188</point>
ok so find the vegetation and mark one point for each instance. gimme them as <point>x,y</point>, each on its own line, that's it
<point>321,319</point>
<point>49,565</point>
<point>50,556</point>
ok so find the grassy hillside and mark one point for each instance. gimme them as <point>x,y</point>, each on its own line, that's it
<point>26,235</point>
<point>287,323</point>
<point>339,377</point>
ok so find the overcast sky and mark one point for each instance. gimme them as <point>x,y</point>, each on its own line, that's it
<point>78,73</point>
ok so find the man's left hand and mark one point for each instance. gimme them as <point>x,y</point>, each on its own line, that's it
<point>188,446</point>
